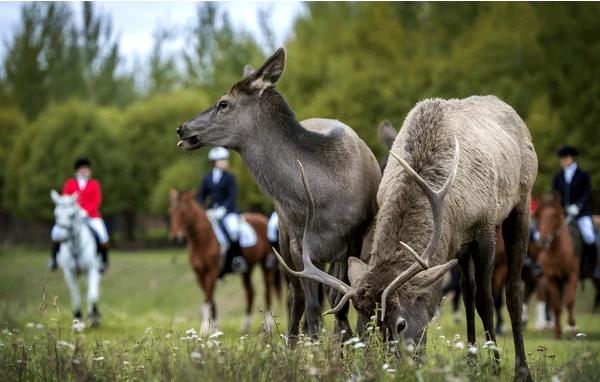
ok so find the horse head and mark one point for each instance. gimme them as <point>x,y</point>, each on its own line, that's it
<point>184,214</point>
<point>550,217</point>
<point>67,214</point>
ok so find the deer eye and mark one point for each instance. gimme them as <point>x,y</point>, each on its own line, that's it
<point>222,105</point>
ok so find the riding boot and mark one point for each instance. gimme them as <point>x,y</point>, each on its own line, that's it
<point>103,250</point>
<point>52,263</point>
<point>238,262</point>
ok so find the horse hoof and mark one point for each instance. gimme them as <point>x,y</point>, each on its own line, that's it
<point>246,323</point>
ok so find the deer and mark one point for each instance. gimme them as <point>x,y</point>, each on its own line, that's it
<point>461,169</point>
<point>254,119</point>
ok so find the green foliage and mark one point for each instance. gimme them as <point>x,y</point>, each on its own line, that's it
<point>148,134</point>
<point>11,125</point>
<point>44,154</point>
<point>183,175</point>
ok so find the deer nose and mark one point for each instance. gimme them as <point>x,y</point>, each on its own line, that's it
<point>400,325</point>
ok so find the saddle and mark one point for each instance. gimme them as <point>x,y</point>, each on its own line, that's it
<point>248,237</point>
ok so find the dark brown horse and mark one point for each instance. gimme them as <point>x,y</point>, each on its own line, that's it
<point>558,260</point>
<point>189,222</point>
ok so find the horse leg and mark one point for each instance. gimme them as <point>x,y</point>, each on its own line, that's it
<point>71,280</point>
<point>516,236</point>
<point>93,296</point>
<point>468,289</point>
<point>571,289</point>
<point>247,282</point>
<point>483,261</point>
<point>207,281</point>
<point>555,301</point>
<point>540,313</point>
<point>269,278</point>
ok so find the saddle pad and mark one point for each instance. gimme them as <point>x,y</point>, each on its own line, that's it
<point>247,235</point>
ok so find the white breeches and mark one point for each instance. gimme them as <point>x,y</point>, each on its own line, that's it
<point>97,224</point>
<point>273,228</point>
<point>231,221</point>
<point>586,227</point>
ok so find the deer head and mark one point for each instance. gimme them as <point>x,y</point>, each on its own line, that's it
<point>240,112</point>
<point>401,312</point>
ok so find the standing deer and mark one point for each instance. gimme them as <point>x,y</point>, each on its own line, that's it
<point>254,119</point>
<point>478,154</point>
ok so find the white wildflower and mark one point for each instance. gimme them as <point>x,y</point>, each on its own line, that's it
<point>195,355</point>
<point>439,328</point>
<point>148,330</point>
<point>78,326</point>
<point>65,344</point>
<point>6,332</point>
<point>190,332</point>
<point>459,345</point>
<point>30,325</point>
<point>489,344</point>
<point>359,345</point>
<point>579,335</point>
<point>472,349</point>
<point>555,378</point>
<point>39,326</point>
<point>216,334</point>
<point>125,363</point>
<point>351,341</point>
<point>168,335</point>
<point>99,359</point>
<point>313,371</point>
<point>410,348</point>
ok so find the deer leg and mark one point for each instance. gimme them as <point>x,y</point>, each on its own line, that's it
<point>247,282</point>
<point>342,325</point>
<point>484,268</point>
<point>468,289</point>
<point>312,306</point>
<point>515,230</point>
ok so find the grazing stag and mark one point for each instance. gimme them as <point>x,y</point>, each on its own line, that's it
<point>482,148</point>
<point>558,260</point>
<point>254,119</point>
<point>189,221</point>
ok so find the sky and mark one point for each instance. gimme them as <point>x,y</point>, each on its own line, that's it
<point>134,22</point>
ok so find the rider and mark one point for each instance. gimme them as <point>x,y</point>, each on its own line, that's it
<point>219,185</point>
<point>575,189</point>
<point>89,199</point>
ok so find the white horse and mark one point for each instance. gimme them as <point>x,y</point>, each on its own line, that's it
<point>77,254</point>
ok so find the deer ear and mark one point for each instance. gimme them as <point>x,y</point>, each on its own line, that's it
<point>248,70</point>
<point>356,269</point>
<point>387,133</point>
<point>269,73</point>
<point>422,281</point>
<point>55,196</point>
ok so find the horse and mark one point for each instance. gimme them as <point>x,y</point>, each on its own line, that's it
<point>189,222</point>
<point>557,259</point>
<point>77,254</point>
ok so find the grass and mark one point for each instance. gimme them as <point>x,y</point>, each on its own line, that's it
<point>150,301</point>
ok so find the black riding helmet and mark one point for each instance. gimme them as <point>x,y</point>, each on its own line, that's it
<point>567,151</point>
<point>81,162</point>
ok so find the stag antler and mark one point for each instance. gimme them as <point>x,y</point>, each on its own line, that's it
<point>310,270</point>
<point>436,200</point>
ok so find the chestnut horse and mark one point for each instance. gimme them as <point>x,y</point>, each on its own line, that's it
<point>558,260</point>
<point>189,222</point>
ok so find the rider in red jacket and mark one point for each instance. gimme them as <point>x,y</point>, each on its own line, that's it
<point>89,199</point>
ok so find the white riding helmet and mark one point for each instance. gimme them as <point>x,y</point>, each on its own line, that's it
<point>217,153</point>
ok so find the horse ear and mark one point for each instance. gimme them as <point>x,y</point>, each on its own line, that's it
<point>55,196</point>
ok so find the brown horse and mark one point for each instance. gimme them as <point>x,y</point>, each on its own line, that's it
<point>189,222</point>
<point>558,260</point>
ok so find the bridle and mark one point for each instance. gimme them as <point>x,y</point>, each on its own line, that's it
<point>546,243</point>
